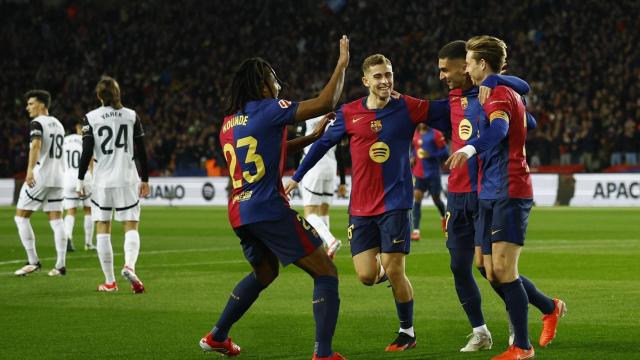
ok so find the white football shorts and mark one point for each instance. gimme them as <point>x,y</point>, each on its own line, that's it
<point>318,186</point>
<point>40,197</point>
<point>124,201</point>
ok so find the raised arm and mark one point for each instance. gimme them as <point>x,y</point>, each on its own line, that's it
<point>330,94</point>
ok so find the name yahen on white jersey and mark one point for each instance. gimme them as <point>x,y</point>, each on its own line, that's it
<point>49,169</point>
<point>328,161</point>
<point>72,149</point>
<point>113,131</point>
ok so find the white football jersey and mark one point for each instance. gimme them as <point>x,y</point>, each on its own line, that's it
<point>49,169</point>
<point>113,131</point>
<point>329,159</point>
<point>72,148</point>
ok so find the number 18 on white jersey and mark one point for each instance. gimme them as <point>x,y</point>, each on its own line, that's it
<point>49,168</point>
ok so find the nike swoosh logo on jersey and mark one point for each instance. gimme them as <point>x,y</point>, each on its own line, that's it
<point>398,241</point>
<point>495,231</point>
<point>355,120</point>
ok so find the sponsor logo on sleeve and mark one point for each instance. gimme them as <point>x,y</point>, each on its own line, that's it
<point>284,103</point>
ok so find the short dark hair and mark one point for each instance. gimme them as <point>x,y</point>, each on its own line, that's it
<point>42,96</point>
<point>248,81</point>
<point>454,50</point>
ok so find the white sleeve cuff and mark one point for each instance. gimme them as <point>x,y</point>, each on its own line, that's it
<point>469,150</point>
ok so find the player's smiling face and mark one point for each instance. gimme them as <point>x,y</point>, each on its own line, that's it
<point>34,107</point>
<point>379,80</point>
<point>453,72</point>
<point>475,68</point>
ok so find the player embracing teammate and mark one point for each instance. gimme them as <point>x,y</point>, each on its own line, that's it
<point>505,196</point>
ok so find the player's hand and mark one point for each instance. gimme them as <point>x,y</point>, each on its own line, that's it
<point>144,190</point>
<point>342,191</point>
<point>30,180</point>
<point>456,160</point>
<point>396,95</point>
<point>483,94</point>
<point>291,185</point>
<point>343,60</point>
<point>322,125</point>
<point>80,188</point>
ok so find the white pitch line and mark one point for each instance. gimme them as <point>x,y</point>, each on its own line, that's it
<point>93,255</point>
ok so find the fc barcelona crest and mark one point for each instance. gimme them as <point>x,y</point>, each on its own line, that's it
<point>376,126</point>
<point>464,103</point>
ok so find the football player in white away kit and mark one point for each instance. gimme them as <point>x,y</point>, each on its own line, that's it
<point>317,192</point>
<point>109,133</point>
<point>72,148</point>
<point>43,185</point>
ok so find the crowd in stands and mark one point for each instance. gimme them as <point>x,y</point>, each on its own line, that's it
<point>174,62</point>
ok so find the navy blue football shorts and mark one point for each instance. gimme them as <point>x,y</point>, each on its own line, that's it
<point>461,217</point>
<point>391,232</point>
<point>431,184</point>
<point>502,220</point>
<point>290,238</point>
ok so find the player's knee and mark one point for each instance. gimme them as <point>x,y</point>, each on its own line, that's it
<point>396,275</point>
<point>457,269</point>
<point>329,269</point>
<point>368,279</point>
<point>501,272</point>
<point>266,277</point>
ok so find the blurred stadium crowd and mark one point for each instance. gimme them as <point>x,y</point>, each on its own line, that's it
<point>174,62</point>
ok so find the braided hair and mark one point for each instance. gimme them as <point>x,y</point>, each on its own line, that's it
<point>249,79</point>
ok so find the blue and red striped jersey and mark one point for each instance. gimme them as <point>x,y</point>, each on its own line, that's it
<point>428,150</point>
<point>503,168</point>
<point>380,145</point>
<point>254,145</point>
<point>466,113</point>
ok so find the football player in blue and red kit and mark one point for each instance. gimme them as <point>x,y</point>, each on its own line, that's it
<point>429,147</point>
<point>505,195</point>
<point>380,129</point>
<point>462,197</point>
<point>253,139</point>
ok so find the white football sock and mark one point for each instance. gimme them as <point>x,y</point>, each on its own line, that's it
<point>69,222</point>
<point>28,238</point>
<point>408,331</point>
<point>325,219</point>
<point>321,228</point>
<point>481,329</point>
<point>88,229</point>
<point>131,248</point>
<point>105,254</point>
<point>60,239</point>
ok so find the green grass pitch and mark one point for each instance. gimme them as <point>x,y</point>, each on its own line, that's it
<point>190,260</point>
